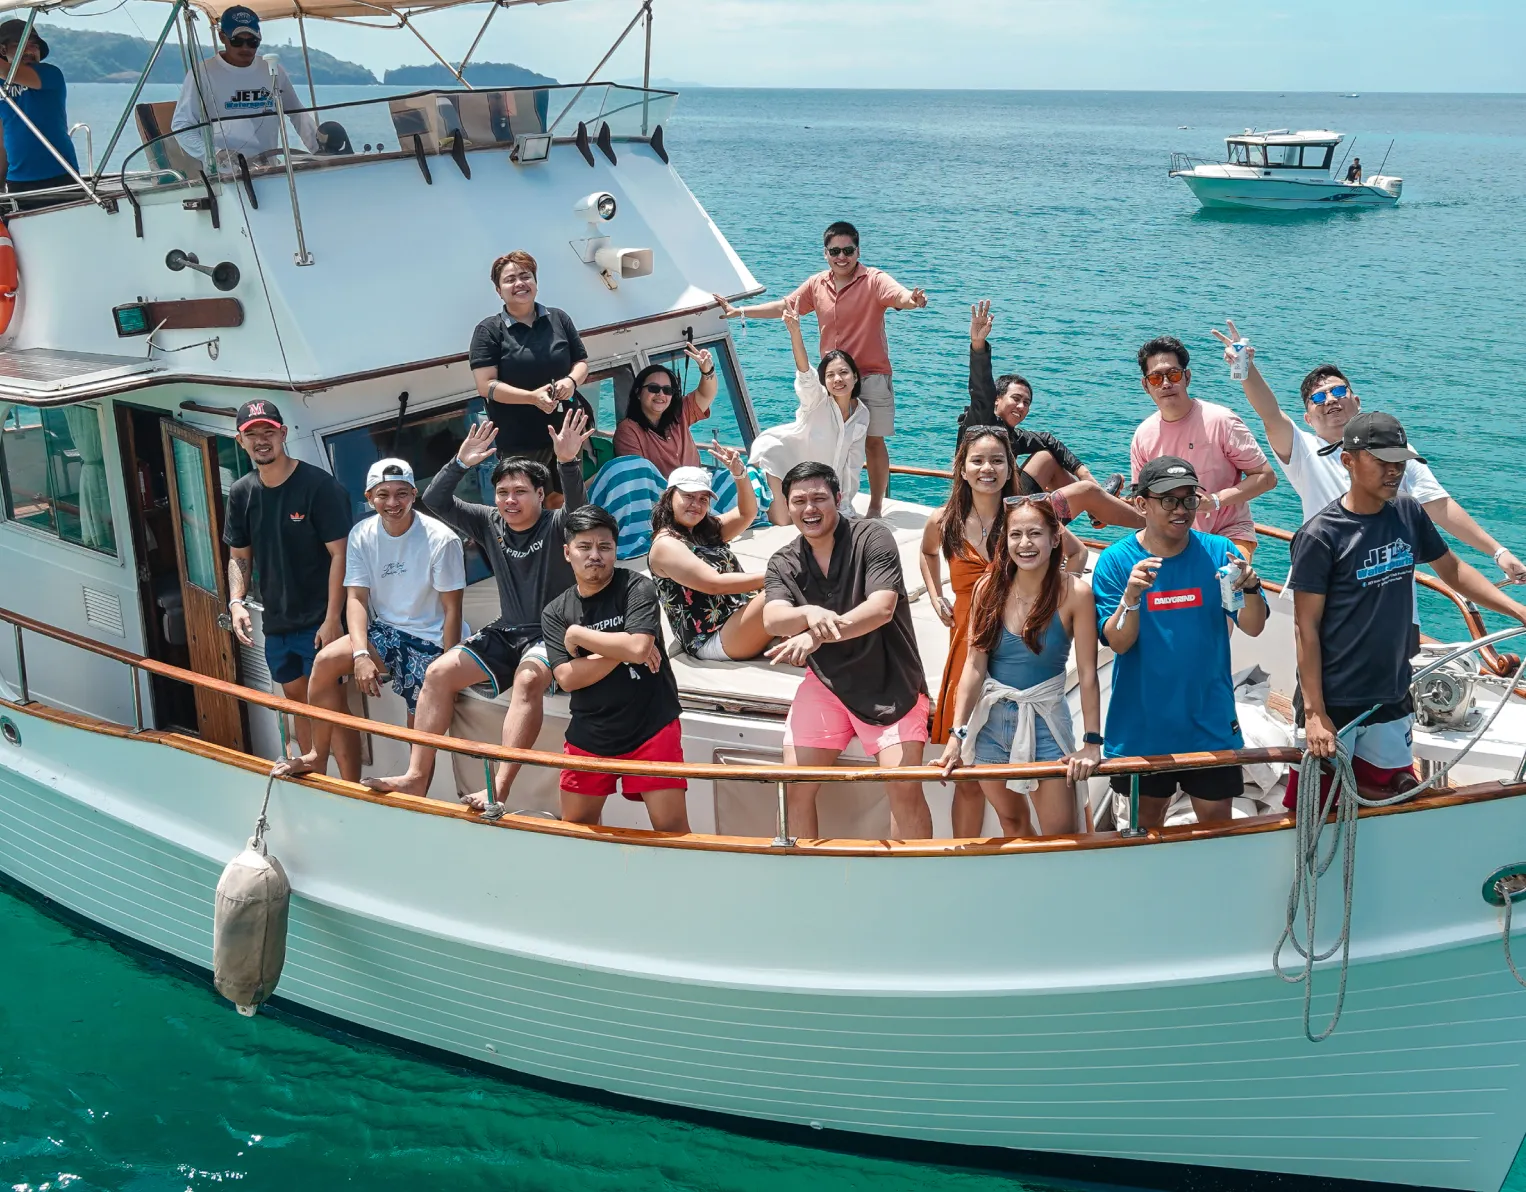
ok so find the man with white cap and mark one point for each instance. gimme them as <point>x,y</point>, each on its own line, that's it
<point>404,577</point>
<point>235,95</point>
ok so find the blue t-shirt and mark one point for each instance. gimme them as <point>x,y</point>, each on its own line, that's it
<point>1172,692</point>
<point>27,158</point>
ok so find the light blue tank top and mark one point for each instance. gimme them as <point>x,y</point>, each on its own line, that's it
<point>1015,665</point>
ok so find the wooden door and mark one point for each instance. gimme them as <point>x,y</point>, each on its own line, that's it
<point>196,504</point>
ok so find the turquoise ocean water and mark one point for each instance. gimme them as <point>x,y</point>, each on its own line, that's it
<point>118,1074</point>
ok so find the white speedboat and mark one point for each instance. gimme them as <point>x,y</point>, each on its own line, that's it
<point>1282,170</point>
<point>1106,995</point>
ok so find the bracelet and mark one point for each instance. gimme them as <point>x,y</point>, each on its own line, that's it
<point>703,373</point>
<point>359,654</point>
<point>1130,608</point>
<point>1217,504</point>
<point>491,385</point>
<point>1502,551</point>
<point>239,600</point>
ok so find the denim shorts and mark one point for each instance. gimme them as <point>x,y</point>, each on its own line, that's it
<point>993,747</point>
<point>289,656</point>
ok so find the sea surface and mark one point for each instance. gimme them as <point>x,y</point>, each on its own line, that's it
<point>116,1073</point>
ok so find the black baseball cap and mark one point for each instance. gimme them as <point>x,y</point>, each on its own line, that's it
<point>1164,474</point>
<point>1379,435</point>
<point>252,413</point>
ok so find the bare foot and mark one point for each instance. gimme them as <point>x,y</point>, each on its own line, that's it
<point>403,784</point>
<point>295,767</point>
<point>476,800</point>
<point>874,512</point>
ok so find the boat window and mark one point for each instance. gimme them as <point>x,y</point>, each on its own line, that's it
<point>728,419</point>
<point>1282,155</point>
<point>53,466</point>
<point>606,391</point>
<point>1239,153</point>
<point>1317,157</point>
<point>427,440</point>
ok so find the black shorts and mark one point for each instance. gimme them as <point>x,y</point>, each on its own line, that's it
<point>1026,484</point>
<point>499,650</point>
<point>1214,784</point>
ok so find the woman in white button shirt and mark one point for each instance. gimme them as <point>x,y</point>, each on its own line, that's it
<point>830,426</point>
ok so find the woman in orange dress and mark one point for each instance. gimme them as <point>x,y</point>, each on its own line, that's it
<point>965,530</point>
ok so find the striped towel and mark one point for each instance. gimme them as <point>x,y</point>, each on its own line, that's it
<point>629,487</point>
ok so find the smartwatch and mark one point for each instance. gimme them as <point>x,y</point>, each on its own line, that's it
<point>1091,739</point>
<point>962,732</point>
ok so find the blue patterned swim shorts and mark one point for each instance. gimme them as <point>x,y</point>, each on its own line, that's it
<point>406,658</point>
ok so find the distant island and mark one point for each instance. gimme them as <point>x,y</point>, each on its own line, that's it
<point>87,56</point>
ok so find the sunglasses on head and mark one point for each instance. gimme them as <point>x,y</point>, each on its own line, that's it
<point>653,387</point>
<point>1162,376</point>
<point>1025,498</point>
<point>842,252</point>
<point>1171,504</point>
<point>1337,392</point>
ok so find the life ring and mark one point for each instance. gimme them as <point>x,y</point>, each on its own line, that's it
<point>10,279</point>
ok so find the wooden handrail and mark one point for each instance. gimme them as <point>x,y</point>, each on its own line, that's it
<point>702,770</point>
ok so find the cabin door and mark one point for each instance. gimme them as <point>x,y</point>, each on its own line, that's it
<point>196,506</point>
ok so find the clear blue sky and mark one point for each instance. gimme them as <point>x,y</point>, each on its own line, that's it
<point>1171,45</point>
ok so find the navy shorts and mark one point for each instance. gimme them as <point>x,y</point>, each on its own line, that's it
<point>1213,783</point>
<point>289,656</point>
<point>406,658</point>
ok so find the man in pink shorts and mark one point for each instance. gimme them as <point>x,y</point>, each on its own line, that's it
<point>837,597</point>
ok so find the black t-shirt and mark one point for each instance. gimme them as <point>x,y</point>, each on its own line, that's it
<point>289,526</point>
<point>878,676</point>
<point>630,705</point>
<point>1364,564</point>
<point>527,356</point>
<point>982,412</point>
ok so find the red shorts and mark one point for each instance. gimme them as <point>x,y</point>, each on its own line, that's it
<point>1366,774</point>
<point>666,745</point>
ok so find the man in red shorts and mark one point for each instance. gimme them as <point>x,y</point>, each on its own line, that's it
<point>604,642</point>
<point>837,597</point>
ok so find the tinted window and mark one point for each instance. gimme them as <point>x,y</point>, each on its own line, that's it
<point>728,420</point>
<point>1317,157</point>
<point>53,465</point>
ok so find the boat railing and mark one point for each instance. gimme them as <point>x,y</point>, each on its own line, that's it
<point>1183,163</point>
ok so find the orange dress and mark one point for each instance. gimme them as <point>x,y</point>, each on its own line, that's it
<point>964,572</point>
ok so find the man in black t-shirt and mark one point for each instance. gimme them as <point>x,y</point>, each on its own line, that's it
<point>1353,605</point>
<point>604,641</point>
<point>288,522</point>
<point>1047,464</point>
<point>838,598</point>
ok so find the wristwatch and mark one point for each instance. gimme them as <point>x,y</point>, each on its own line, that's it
<point>962,732</point>
<point>1091,739</point>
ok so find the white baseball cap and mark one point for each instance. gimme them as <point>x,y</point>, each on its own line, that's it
<point>390,469</point>
<point>691,480</point>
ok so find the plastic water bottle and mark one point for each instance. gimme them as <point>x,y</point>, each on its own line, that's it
<point>1230,596</point>
<point>1239,367</point>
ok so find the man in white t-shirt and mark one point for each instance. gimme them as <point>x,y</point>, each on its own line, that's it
<point>1329,402</point>
<point>404,576</point>
<point>236,94</point>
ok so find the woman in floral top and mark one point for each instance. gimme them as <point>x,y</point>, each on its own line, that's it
<point>714,607</point>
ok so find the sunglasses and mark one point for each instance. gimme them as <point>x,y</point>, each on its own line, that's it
<point>667,390</point>
<point>1171,504</point>
<point>842,252</point>
<point>1335,393</point>
<point>1163,376</point>
<point>1025,498</point>
<point>245,43</point>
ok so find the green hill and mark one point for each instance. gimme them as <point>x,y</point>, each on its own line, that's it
<point>478,74</point>
<point>87,56</point>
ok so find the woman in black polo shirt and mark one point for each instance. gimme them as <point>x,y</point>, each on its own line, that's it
<point>528,362</point>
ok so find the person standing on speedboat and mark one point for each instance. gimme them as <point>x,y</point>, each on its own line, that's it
<point>287,522</point>
<point>836,594</point>
<point>1330,401</point>
<point>1160,607</point>
<point>28,162</point>
<point>850,300</point>
<point>235,96</point>
<point>1220,447</point>
<point>1048,465</point>
<point>1353,574</point>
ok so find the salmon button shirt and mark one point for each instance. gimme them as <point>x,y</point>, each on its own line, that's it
<point>853,318</point>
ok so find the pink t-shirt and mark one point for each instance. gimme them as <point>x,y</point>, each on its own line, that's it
<point>1219,446</point>
<point>853,318</point>
<point>676,449</point>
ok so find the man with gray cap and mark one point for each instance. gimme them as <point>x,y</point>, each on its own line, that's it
<point>1353,577</point>
<point>31,161</point>
<point>235,95</point>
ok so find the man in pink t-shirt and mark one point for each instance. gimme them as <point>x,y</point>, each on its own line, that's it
<point>1230,464</point>
<point>850,300</point>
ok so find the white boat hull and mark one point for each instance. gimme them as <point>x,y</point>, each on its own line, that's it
<point>1101,1001</point>
<point>1282,194</point>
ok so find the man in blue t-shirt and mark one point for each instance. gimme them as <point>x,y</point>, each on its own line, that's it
<point>1160,608</point>
<point>32,163</point>
<point>1353,578</point>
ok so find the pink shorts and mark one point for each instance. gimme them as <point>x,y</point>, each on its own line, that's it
<point>819,720</point>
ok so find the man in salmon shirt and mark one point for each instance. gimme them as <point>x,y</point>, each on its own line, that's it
<point>1230,465</point>
<point>850,300</point>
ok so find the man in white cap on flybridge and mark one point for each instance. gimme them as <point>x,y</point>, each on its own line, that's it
<point>404,577</point>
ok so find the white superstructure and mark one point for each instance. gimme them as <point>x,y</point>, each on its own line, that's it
<point>1282,170</point>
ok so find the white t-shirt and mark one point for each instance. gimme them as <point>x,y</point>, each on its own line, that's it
<point>1320,479</point>
<point>235,91</point>
<point>407,573</point>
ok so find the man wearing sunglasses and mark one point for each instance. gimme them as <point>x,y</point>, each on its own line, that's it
<point>850,300</point>
<point>235,95</point>
<point>1160,608</point>
<point>1213,438</point>
<point>1329,403</point>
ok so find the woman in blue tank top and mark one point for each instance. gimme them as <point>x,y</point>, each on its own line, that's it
<point>1025,615</point>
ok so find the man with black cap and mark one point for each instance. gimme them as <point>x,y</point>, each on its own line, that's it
<point>288,521</point>
<point>32,161</point>
<point>236,84</point>
<point>1162,608</point>
<point>1353,579</point>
